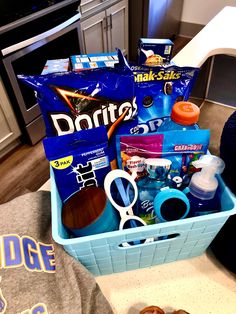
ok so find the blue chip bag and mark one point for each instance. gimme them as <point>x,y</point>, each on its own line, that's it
<point>75,101</point>
<point>78,160</point>
<point>156,91</point>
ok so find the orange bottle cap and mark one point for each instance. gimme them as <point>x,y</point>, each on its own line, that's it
<point>185,112</point>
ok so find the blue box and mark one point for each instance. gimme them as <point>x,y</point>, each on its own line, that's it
<point>154,52</point>
<point>93,60</point>
<point>104,254</point>
<point>56,65</point>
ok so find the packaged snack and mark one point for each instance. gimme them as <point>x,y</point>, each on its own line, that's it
<point>56,65</point>
<point>77,101</point>
<point>183,148</point>
<point>133,150</point>
<point>180,147</point>
<point>154,51</point>
<point>78,160</point>
<point>157,89</point>
<point>93,60</point>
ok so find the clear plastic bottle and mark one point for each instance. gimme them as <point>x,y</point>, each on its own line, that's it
<point>203,186</point>
<point>184,116</point>
<point>150,185</point>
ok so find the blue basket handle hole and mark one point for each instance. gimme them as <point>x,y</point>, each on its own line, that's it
<point>149,240</point>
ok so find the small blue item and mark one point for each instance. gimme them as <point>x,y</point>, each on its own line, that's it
<point>169,125</point>
<point>201,207</point>
<point>184,116</point>
<point>203,185</point>
<point>150,185</point>
<point>171,204</point>
<point>79,159</point>
<point>106,221</point>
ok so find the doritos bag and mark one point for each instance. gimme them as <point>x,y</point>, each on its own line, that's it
<point>75,101</point>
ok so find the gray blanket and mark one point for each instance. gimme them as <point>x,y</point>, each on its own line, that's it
<point>36,274</point>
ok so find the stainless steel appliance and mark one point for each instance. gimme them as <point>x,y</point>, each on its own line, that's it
<point>153,19</point>
<point>32,32</point>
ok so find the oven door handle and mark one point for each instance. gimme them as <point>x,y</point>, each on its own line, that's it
<point>41,36</point>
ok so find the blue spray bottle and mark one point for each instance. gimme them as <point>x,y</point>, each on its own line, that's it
<point>203,185</point>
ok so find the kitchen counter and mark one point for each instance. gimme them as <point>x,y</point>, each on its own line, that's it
<point>201,284</point>
<point>198,285</point>
<point>217,37</point>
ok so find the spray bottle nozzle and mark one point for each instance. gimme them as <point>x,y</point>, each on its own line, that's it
<point>203,184</point>
<point>210,161</point>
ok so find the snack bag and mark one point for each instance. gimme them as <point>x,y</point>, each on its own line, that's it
<point>78,160</point>
<point>75,101</point>
<point>180,147</point>
<point>157,89</point>
<point>133,150</point>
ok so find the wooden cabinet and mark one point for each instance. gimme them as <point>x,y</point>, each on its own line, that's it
<point>117,31</point>
<point>89,5</point>
<point>94,34</point>
<point>107,29</point>
<point>9,130</point>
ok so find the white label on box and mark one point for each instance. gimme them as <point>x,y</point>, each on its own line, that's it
<point>99,58</point>
<point>100,163</point>
<point>110,63</point>
<point>78,66</point>
<point>167,50</point>
<point>84,59</point>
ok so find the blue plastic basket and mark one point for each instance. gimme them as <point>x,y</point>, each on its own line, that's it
<point>104,254</point>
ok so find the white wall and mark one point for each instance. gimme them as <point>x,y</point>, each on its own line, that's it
<point>202,11</point>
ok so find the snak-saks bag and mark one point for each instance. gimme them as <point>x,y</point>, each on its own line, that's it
<point>75,101</point>
<point>157,89</point>
<point>78,160</point>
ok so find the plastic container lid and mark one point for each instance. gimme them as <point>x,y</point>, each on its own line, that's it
<point>185,112</point>
<point>157,168</point>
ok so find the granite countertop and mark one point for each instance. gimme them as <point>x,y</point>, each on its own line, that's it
<point>197,285</point>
